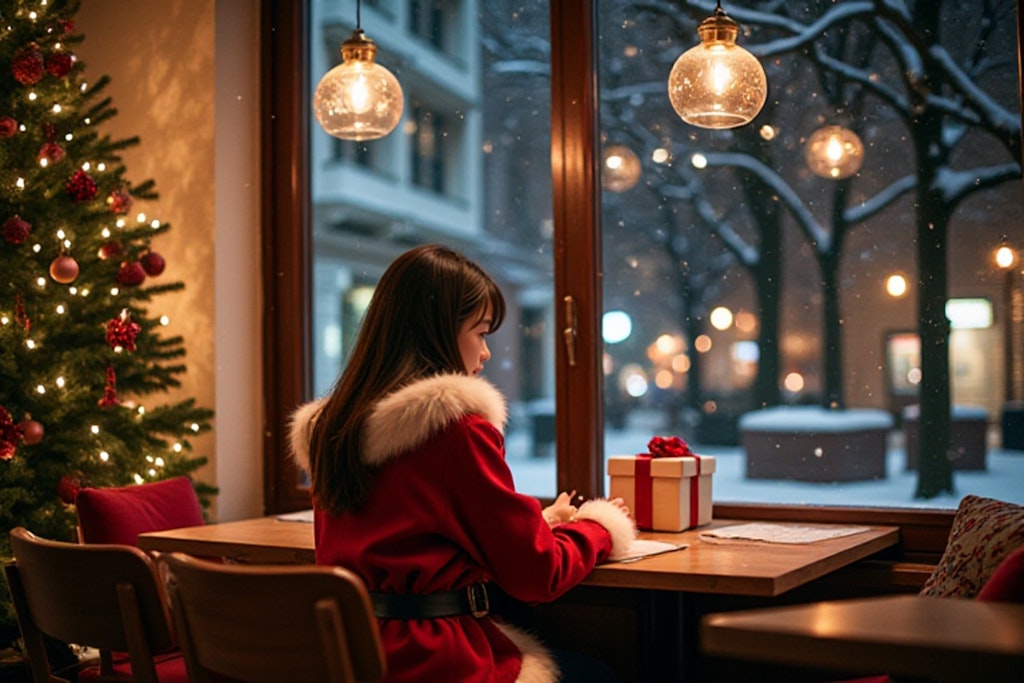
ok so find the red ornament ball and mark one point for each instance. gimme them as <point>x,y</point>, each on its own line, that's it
<point>15,230</point>
<point>64,269</point>
<point>33,432</point>
<point>131,274</point>
<point>81,187</point>
<point>68,488</point>
<point>153,263</point>
<point>119,202</point>
<point>59,64</point>
<point>110,250</point>
<point>8,127</point>
<point>52,152</point>
<point>27,65</point>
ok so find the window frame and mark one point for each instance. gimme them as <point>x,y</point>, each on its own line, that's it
<point>287,266</point>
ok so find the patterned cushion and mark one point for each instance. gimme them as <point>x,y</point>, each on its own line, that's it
<point>984,532</point>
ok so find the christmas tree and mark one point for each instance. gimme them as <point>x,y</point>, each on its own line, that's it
<point>83,351</point>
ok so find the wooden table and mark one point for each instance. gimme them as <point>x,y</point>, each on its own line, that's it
<point>256,541</point>
<point>942,639</point>
<point>661,588</point>
<point>756,569</point>
<point>741,568</point>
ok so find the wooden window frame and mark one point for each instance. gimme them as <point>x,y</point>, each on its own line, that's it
<point>287,263</point>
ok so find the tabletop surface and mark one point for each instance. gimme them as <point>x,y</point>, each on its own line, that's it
<point>733,567</point>
<point>945,639</point>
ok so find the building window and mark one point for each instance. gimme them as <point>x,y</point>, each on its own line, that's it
<point>429,149</point>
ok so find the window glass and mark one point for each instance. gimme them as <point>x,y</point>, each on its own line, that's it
<point>468,166</point>
<point>742,273</point>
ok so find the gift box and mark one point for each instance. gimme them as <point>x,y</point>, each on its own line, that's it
<point>664,493</point>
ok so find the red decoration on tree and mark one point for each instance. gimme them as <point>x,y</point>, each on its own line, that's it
<point>131,274</point>
<point>16,230</point>
<point>122,331</point>
<point>27,65</point>
<point>81,187</point>
<point>668,447</point>
<point>19,313</point>
<point>10,435</point>
<point>153,263</point>
<point>67,26</point>
<point>59,64</point>
<point>68,488</point>
<point>8,127</point>
<point>119,202</point>
<point>110,398</point>
<point>52,152</point>
<point>32,430</point>
<point>64,269</point>
<point>110,250</point>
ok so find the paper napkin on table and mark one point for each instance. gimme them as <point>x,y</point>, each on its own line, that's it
<point>300,516</point>
<point>643,548</point>
<point>778,533</point>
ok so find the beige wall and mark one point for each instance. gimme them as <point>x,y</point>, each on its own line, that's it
<point>185,80</point>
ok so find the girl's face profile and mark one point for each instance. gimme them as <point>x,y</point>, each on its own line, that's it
<point>473,342</point>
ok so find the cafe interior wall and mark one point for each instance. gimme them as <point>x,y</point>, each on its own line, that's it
<point>185,79</point>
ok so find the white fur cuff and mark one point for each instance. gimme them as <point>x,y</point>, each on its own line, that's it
<point>617,522</point>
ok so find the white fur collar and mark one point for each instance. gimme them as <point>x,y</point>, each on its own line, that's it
<point>408,417</point>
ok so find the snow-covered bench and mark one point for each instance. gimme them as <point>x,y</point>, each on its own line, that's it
<point>811,443</point>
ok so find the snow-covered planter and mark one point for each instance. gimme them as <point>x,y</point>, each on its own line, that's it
<point>811,443</point>
<point>968,436</point>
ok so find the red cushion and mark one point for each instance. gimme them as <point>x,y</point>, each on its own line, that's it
<point>120,514</point>
<point>1007,582</point>
<point>170,668</point>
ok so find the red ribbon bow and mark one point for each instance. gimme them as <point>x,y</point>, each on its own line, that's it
<point>668,447</point>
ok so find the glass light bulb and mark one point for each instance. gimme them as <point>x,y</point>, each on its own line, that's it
<point>620,170</point>
<point>358,99</point>
<point>717,84</point>
<point>834,152</point>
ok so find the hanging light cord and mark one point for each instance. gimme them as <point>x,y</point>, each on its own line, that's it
<point>359,12</point>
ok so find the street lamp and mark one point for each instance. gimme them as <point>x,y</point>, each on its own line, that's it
<point>1006,258</point>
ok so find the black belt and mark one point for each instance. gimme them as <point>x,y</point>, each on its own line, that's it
<point>470,600</point>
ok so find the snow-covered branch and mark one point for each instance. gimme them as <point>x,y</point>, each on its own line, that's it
<point>789,198</point>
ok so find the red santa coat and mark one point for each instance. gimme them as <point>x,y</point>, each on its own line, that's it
<point>443,514</point>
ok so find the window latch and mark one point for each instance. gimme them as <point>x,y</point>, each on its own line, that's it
<point>569,333</point>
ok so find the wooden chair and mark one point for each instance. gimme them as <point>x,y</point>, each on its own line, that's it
<point>104,596</point>
<point>264,624</point>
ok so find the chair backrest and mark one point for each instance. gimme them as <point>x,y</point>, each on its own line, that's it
<point>272,623</point>
<point>119,514</point>
<point>103,596</point>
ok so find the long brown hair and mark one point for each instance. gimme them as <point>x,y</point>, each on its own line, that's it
<point>410,332</point>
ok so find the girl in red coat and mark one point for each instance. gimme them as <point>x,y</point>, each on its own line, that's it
<point>411,489</point>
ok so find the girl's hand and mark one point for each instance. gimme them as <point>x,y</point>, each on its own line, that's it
<point>561,511</point>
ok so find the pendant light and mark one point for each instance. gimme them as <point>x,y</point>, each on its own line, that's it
<point>834,152</point>
<point>358,99</point>
<point>620,168</point>
<point>717,84</point>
